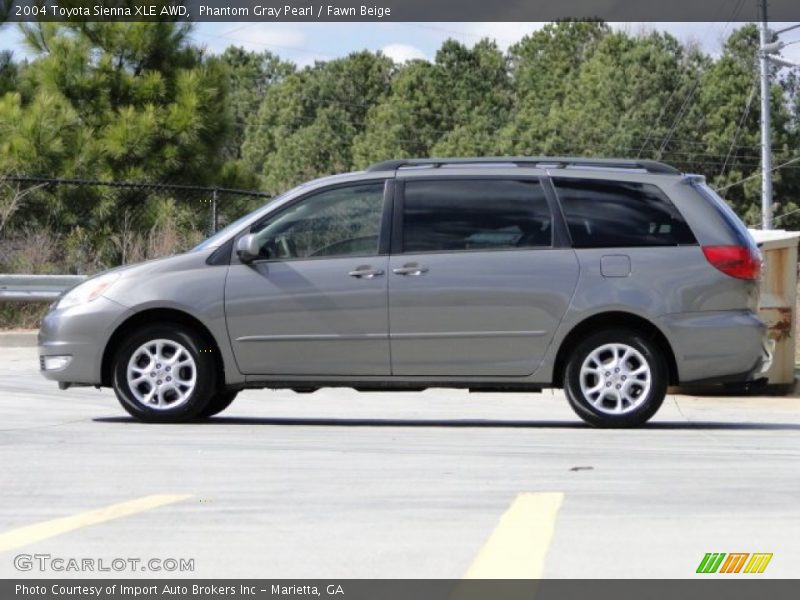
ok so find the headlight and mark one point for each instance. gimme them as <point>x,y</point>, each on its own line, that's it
<point>87,291</point>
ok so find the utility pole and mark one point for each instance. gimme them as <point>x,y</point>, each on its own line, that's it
<point>766,132</point>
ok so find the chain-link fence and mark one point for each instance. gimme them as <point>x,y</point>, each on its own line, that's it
<point>74,226</point>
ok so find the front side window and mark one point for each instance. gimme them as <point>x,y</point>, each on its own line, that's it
<point>344,221</point>
<point>607,214</point>
<point>474,214</point>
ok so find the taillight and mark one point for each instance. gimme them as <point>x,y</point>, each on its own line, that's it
<point>737,261</point>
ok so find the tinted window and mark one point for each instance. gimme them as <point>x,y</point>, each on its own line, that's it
<point>473,214</point>
<point>344,221</point>
<point>602,214</point>
<point>738,228</point>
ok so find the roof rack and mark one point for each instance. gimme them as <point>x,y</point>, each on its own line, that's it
<point>554,162</point>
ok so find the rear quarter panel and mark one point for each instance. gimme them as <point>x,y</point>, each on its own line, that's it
<point>698,309</point>
<point>701,311</point>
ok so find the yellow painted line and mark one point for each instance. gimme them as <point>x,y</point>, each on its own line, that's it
<point>517,548</point>
<point>47,529</point>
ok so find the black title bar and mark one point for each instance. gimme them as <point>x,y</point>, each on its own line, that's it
<point>396,10</point>
<point>704,588</point>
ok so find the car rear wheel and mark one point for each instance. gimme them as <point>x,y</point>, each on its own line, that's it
<point>616,379</point>
<point>165,374</point>
<point>219,402</point>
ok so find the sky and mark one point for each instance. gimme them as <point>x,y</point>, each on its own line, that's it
<point>305,43</point>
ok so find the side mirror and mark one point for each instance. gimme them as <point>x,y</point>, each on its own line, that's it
<point>247,248</point>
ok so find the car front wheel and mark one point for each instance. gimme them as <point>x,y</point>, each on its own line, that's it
<point>165,374</point>
<point>616,379</point>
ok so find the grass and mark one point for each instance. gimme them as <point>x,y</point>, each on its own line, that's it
<point>22,315</point>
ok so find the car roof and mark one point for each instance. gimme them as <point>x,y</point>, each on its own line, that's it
<point>538,162</point>
<point>622,169</point>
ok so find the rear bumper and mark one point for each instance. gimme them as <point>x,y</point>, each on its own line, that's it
<point>767,356</point>
<point>719,346</point>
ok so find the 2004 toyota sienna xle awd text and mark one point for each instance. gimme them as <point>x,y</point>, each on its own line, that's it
<point>610,278</point>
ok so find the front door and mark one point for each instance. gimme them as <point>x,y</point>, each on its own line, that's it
<point>316,302</point>
<point>476,286</point>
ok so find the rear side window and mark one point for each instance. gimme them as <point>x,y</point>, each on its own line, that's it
<point>474,214</point>
<point>605,214</point>
<point>735,224</point>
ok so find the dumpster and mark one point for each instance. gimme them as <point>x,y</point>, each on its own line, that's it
<point>778,299</point>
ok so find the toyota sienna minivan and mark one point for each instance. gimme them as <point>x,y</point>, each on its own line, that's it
<point>610,278</point>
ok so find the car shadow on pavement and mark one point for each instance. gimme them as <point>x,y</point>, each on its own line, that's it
<point>462,423</point>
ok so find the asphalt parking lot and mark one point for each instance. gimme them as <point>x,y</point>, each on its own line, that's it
<point>439,484</point>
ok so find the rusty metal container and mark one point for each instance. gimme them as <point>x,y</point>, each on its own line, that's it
<point>779,298</point>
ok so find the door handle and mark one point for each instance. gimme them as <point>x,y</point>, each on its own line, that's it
<point>412,269</point>
<point>365,272</point>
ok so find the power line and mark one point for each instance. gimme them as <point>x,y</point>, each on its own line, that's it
<point>690,95</point>
<point>757,174</point>
<point>786,214</point>
<point>646,139</point>
<point>312,104</point>
<point>226,33</point>
<point>739,127</point>
<point>685,158</point>
<point>675,89</point>
<point>690,156</point>
<point>678,117</point>
<point>657,121</point>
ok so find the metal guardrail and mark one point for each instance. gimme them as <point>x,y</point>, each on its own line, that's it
<point>36,288</point>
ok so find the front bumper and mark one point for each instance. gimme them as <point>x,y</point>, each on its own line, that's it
<point>78,335</point>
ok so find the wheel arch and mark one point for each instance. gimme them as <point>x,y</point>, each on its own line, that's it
<point>613,320</point>
<point>149,317</point>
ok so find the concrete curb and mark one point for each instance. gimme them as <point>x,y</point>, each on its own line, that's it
<point>18,339</point>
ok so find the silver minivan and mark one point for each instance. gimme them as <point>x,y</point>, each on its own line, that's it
<point>610,278</point>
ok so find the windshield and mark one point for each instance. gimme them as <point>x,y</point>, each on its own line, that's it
<point>218,238</point>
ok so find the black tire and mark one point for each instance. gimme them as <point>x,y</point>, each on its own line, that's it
<point>194,402</point>
<point>641,403</point>
<point>219,402</point>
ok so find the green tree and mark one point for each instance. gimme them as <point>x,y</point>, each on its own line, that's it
<point>307,122</point>
<point>407,122</point>
<point>475,88</point>
<point>454,106</point>
<point>730,102</point>
<point>250,75</point>
<point>142,101</point>
<point>621,98</point>
<point>113,101</point>
<point>542,67</point>
<point>8,72</point>
<point>136,101</point>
